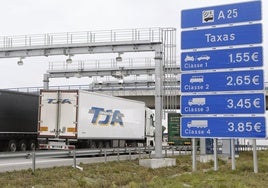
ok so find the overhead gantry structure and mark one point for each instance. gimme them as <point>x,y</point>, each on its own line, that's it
<point>93,42</point>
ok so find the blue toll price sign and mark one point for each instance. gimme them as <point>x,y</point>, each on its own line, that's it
<point>223,127</point>
<point>223,81</point>
<point>224,36</point>
<point>222,59</point>
<point>223,14</point>
<point>246,103</point>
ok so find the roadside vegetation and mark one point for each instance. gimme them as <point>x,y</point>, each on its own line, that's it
<point>128,174</point>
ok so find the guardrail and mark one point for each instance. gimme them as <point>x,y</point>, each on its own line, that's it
<point>92,152</point>
<point>139,152</point>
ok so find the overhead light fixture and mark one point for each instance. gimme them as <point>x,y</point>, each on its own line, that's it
<point>118,58</point>
<point>69,60</point>
<point>121,81</point>
<point>20,62</point>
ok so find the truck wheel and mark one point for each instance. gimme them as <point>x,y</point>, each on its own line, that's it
<point>93,144</point>
<point>12,145</point>
<point>32,145</point>
<point>22,145</point>
<point>134,144</point>
<point>100,144</point>
<point>107,144</point>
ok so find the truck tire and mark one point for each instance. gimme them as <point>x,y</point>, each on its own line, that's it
<point>100,145</point>
<point>32,145</point>
<point>22,145</point>
<point>107,144</point>
<point>93,144</point>
<point>134,144</point>
<point>12,145</point>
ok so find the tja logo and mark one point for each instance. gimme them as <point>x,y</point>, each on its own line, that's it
<point>57,101</point>
<point>111,117</point>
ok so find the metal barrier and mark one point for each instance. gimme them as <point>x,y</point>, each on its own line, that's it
<point>250,147</point>
<point>131,153</point>
<point>139,152</point>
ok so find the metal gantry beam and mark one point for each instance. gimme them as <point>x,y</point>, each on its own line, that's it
<point>117,72</point>
<point>78,49</point>
<point>88,42</point>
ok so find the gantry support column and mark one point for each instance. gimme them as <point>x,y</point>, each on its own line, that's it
<point>158,102</point>
<point>158,161</point>
<point>46,82</point>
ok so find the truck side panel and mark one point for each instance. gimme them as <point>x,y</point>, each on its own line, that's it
<point>107,117</point>
<point>18,112</point>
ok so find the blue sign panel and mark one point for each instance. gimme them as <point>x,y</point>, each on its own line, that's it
<point>223,14</point>
<point>223,127</point>
<point>225,36</point>
<point>247,103</point>
<point>223,81</point>
<point>222,59</point>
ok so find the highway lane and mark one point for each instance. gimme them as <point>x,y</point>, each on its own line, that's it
<point>49,162</point>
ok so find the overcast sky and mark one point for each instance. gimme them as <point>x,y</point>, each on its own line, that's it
<point>22,17</point>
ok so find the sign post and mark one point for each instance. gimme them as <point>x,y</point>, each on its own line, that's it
<point>233,153</point>
<point>215,144</point>
<point>194,154</point>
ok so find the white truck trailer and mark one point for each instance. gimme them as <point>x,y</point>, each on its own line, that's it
<point>92,120</point>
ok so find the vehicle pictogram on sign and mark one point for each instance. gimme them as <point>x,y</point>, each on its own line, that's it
<point>207,16</point>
